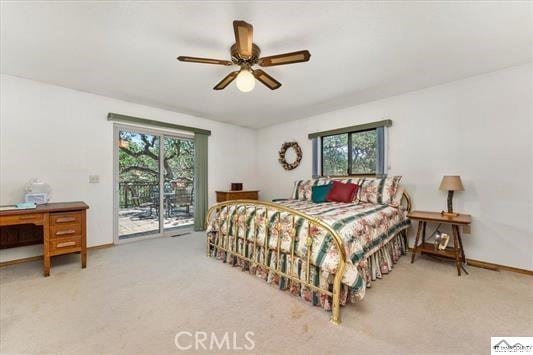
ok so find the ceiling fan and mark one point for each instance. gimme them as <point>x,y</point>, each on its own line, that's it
<point>245,54</point>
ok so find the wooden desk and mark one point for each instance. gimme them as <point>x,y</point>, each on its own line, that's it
<point>64,228</point>
<point>456,252</point>
<point>237,195</point>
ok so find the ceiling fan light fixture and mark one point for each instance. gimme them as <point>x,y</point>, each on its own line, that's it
<point>246,54</point>
<point>245,81</point>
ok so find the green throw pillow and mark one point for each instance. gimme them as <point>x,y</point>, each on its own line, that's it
<point>320,192</point>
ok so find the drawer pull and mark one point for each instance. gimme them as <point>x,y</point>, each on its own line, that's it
<point>65,219</point>
<point>66,232</point>
<point>65,244</point>
<point>24,218</point>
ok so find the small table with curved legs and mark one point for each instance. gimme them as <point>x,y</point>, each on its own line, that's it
<point>455,222</point>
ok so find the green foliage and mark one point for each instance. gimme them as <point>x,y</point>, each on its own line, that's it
<point>179,160</point>
<point>364,152</point>
<point>335,153</point>
<point>139,159</point>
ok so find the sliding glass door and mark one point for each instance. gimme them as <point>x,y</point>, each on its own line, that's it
<point>154,174</point>
<point>178,178</point>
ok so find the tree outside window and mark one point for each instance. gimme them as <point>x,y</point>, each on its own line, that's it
<point>352,153</point>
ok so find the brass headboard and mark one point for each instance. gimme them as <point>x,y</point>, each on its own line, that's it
<point>407,199</point>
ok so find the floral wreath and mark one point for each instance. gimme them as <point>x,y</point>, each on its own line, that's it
<point>283,150</point>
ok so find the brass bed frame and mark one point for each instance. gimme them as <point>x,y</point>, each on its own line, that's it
<point>223,245</point>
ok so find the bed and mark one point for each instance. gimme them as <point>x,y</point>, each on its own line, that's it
<point>326,253</point>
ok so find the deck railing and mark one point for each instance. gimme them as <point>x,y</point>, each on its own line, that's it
<point>133,194</point>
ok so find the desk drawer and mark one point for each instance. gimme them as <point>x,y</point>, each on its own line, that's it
<point>33,218</point>
<point>65,245</point>
<point>66,230</point>
<point>57,219</point>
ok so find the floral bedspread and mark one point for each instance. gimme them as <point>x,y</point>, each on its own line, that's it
<point>363,227</point>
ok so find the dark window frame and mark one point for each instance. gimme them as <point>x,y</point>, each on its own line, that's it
<point>349,145</point>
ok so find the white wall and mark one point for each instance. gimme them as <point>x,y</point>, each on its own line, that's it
<point>479,128</point>
<point>61,136</point>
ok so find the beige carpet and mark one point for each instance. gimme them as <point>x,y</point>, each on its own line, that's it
<point>136,297</point>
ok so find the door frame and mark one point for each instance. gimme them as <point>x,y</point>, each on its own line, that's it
<point>117,127</point>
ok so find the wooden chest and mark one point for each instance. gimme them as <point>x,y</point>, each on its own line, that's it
<point>237,195</point>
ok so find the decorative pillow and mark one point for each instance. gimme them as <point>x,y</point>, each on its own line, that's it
<point>379,191</point>
<point>341,192</point>
<point>302,188</point>
<point>296,190</point>
<point>397,200</point>
<point>320,192</point>
<point>352,180</point>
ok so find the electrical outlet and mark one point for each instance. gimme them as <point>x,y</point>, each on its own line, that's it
<point>466,229</point>
<point>94,179</point>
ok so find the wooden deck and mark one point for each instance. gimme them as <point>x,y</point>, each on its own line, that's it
<point>135,220</point>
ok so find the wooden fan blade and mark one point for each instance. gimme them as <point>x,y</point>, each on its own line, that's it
<point>243,38</point>
<point>226,81</point>
<point>266,79</point>
<point>204,60</point>
<point>287,58</point>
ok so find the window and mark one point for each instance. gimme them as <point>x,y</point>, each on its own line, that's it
<point>356,150</point>
<point>335,155</point>
<point>364,149</point>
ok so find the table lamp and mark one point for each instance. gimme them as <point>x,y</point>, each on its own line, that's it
<point>451,184</point>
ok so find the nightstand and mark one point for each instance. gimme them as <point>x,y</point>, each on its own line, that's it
<point>237,195</point>
<point>455,222</point>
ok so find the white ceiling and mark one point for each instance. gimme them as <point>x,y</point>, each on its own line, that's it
<point>361,51</point>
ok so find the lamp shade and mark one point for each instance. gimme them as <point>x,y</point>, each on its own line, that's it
<point>451,183</point>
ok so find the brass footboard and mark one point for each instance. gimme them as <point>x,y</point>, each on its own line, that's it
<point>223,245</point>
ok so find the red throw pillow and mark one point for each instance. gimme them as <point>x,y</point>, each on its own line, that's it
<point>341,192</point>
